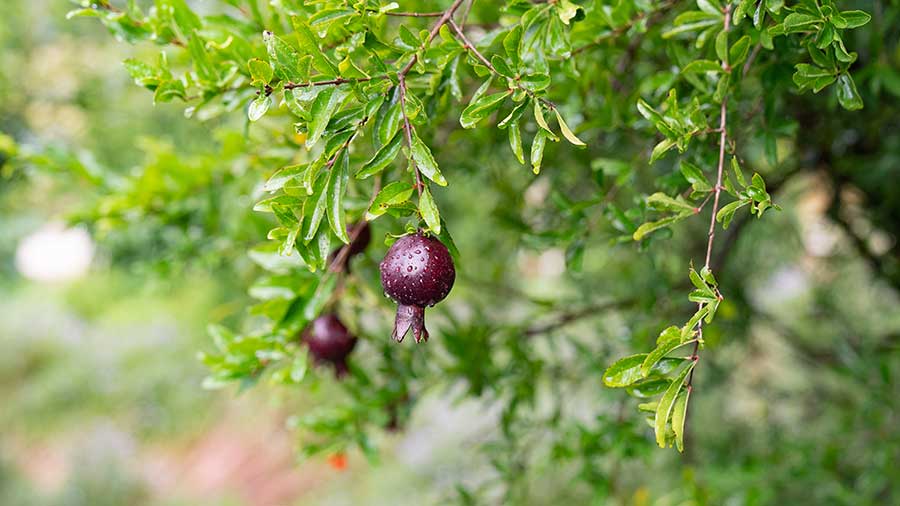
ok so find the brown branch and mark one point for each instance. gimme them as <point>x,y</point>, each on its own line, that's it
<point>572,316</point>
<point>469,46</point>
<point>723,139</point>
<point>414,14</point>
<point>401,78</point>
<point>339,80</point>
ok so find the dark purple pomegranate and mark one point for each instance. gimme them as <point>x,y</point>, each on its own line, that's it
<point>329,341</point>
<point>416,273</point>
<point>357,246</point>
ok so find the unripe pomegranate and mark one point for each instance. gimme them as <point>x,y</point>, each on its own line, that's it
<point>329,341</point>
<point>357,246</point>
<point>416,273</point>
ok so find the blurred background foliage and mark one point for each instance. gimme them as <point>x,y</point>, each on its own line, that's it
<point>797,396</point>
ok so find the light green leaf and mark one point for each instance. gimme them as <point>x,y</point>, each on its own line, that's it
<point>700,66</point>
<point>515,141</point>
<point>283,175</point>
<point>726,213</point>
<point>661,350</point>
<point>679,414</point>
<point>666,402</point>
<point>314,208</point>
<point>260,71</point>
<point>258,107</point>
<point>337,187</point>
<point>382,158</point>
<point>323,107</point>
<point>567,133</point>
<point>537,150</point>
<point>855,19</point>
<point>624,371</point>
<point>285,58</point>
<point>394,193</point>
<point>429,211</point>
<point>481,108</point>
<point>739,51</point>
<point>653,226</point>
<point>662,202</point>
<point>847,95</point>
<point>424,160</point>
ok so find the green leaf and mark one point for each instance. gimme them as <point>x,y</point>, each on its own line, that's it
<point>679,414</point>
<point>501,66</point>
<point>726,213</point>
<point>847,95</point>
<point>666,403</point>
<point>511,44</point>
<point>811,76</point>
<point>514,115</point>
<point>394,193</point>
<point>624,371</point>
<point>323,107</point>
<point>661,148</point>
<point>285,58</point>
<point>204,67</point>
<point>535,82</point>
<point>382,158</point>
<point>567,133</point>
<point>700,66</point>
<point>482,108</point>
<point>694,176</point>
<point>662,202</point>
<point>429,211</point>
<point>388,119</point>
<point>261,72</point>
<point>311,45</point>
<point>537,150</point>
<point>258,107</point>
<point>722,45</point>
<point>798,22</point>
<point>738,173</point>
<point>739,51</point>
<point>855,19</point>
<point>314,208</point>
<point>283,175</point>
<point>670,340</point>
<point>653,226</point>
<point>424,160</point>
<point>541,121</point>
<point>337,187</point>
<point>515,142</point>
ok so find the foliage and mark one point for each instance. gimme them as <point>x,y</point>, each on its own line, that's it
<point>664,113</point>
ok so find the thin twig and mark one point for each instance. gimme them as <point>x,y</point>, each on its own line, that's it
<point>401,82</point>
<point>469,46</point>
<point>572,316</point>
<point>414,14</point>
<point>723,138</point>
<point>339,80</point>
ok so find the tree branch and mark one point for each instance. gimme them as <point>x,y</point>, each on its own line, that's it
<point>401,78</point>
<point>470,47</point>
<point>723,139</point>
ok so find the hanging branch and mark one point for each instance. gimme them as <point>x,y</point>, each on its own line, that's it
<point>717,190</point>
<point>401,78</point>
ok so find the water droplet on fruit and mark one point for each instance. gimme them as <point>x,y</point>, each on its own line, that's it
<point>409,268</point>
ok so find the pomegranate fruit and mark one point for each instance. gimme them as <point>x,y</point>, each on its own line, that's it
<point>330,342</point>
<point>417,272</point>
